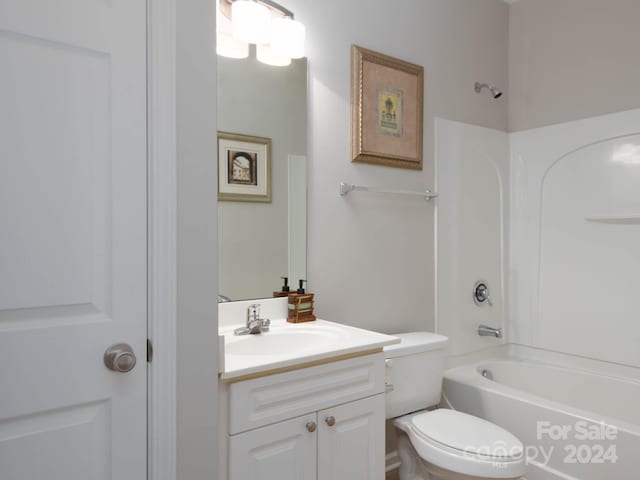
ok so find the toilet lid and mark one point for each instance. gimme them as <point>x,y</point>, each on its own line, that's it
<point>467,433</point>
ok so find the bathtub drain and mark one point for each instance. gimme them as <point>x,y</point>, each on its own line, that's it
<point>487,374</point>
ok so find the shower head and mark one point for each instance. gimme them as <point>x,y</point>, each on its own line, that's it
<point>495,92</point>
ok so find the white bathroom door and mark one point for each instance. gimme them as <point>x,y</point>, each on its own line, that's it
<point>72,238</point>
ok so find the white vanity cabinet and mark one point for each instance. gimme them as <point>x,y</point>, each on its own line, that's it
<point>286,450</point>
<point>353,447</point>
<point>324,422</point>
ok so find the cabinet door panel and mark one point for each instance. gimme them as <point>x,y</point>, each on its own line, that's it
<point>353,447</point>
<point>284,451</point>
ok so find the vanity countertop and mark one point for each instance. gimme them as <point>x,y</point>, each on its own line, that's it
<point>290,345</point>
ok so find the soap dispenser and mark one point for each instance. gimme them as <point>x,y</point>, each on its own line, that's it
<point>285,290</point>
<point>300,305</point>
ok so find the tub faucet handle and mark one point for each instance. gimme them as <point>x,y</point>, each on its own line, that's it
<point>481,294</point>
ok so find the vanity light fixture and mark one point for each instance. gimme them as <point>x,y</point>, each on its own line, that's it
<point>266,54</point>
<point>226,44</point>
<point>267,24</point>
<point>251,21</point>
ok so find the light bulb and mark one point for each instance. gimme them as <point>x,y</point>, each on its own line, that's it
<point>228,46</point>
<point>251,21</point>
<point>287,37</point>
<point>265,54</point>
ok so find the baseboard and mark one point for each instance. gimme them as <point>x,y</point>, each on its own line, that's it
<point>392,461</point>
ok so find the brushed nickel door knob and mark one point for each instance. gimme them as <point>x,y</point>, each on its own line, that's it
<point>119,357</point>
<point>311,426</point>
<point>331,421</point>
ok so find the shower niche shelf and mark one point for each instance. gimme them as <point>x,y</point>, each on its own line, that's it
<point>631,219</point>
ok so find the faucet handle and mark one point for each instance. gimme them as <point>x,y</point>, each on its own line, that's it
<point>488,297</point>
<point>253,311</point>
<point>481,294</point>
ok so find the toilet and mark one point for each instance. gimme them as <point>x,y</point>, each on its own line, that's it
<point>441,444</point>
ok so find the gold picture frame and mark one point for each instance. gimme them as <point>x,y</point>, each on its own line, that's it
<point>244,168</point>
<point>386,110</point>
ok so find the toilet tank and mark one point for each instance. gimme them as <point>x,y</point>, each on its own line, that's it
<point>413,372</point>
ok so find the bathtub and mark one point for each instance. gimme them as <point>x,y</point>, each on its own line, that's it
<point>579,421</point>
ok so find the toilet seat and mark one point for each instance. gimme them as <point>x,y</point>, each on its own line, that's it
<point>465,444</point>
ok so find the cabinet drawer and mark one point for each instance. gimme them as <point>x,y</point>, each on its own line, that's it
<point>265,400</point>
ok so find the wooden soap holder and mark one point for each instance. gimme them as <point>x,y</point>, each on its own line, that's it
<point>300,306</point>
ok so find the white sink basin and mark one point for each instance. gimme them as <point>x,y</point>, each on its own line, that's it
<point>291,344</point>
<point>294,339</point>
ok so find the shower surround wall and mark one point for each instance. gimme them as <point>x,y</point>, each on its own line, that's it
<point>472,177</point>
<point>572,279</point>
<point>575,232</point>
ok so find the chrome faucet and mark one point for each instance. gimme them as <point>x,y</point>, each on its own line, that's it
<point>485,331</point>
<point>254,324</point>
<point>223,298</point>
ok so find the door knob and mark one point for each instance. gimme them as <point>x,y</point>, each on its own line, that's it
<point>311,426</point>
<point>331,421</point>
<point>119,357</point>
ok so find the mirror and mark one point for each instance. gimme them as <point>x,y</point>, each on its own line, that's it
<point>258,241</point>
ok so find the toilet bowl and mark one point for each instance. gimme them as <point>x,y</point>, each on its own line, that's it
<point>441,444</point>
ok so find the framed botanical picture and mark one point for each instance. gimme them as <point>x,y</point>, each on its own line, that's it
<point>244,168</point>
<point>386,110</point>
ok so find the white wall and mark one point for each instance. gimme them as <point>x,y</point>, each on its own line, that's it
<point>264,101</point>
<point>575,231</point>
<point>371,258</point>
<point>472,214</point>
<point>572,59</point>
<point>197,241</point>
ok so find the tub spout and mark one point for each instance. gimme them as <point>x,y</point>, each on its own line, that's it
<point>485,331</point>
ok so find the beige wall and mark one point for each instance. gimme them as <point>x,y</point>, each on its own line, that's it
<point>572,59</point>
<point>371,258</point>
<point>197,241</point>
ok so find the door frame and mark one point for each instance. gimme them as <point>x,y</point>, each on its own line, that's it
<point>161,239</point>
